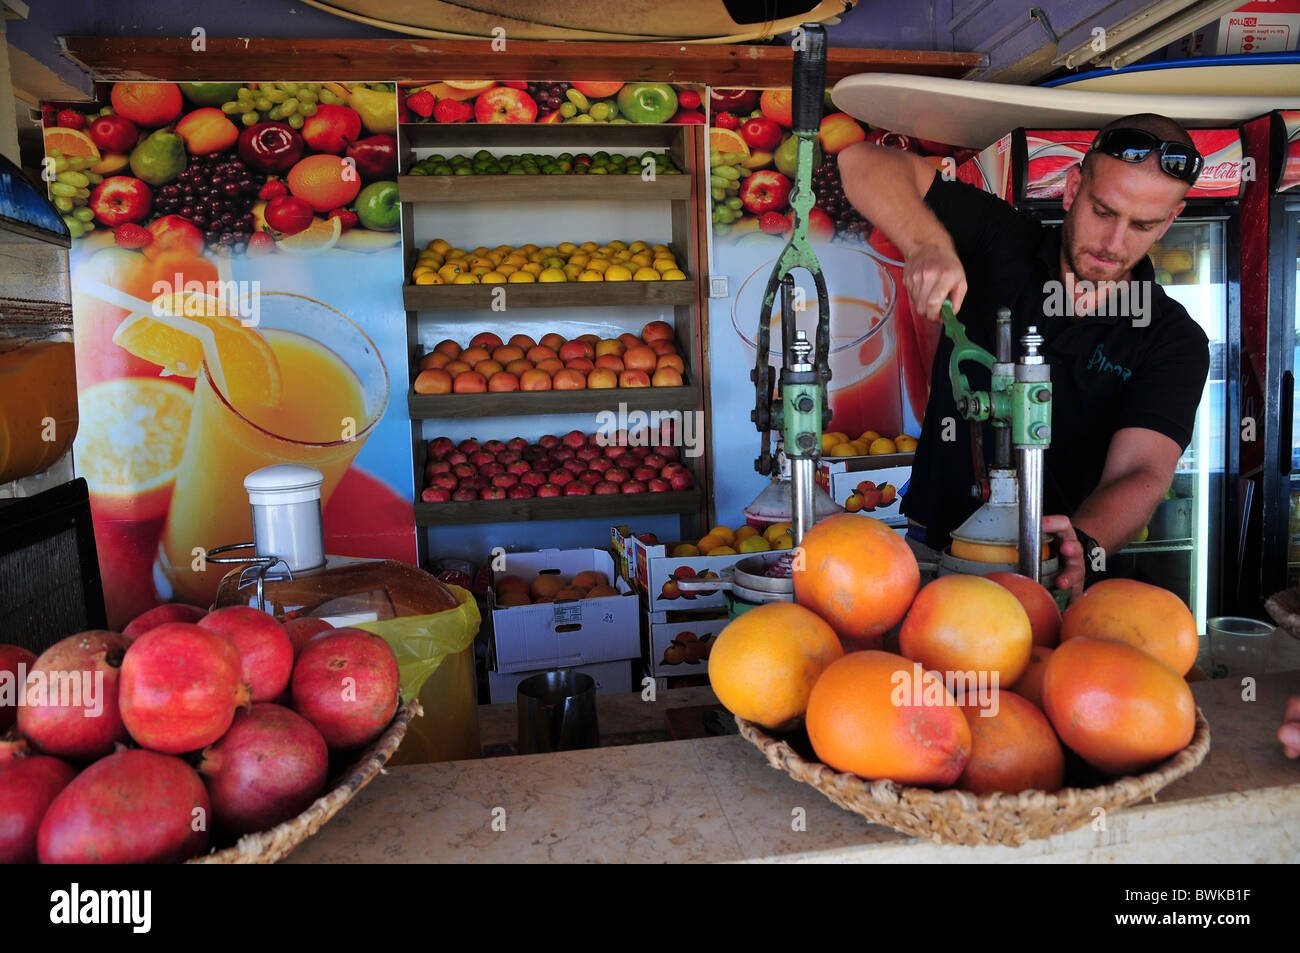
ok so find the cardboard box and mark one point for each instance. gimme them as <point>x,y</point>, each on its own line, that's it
<point>568,633</point>
<point>695,637</point>
<point>1265,26</point>
<point>610,677</point>
<point>649,569</point>
<point>841,477</point>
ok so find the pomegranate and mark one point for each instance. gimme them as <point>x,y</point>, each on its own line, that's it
<point>346,684</point>
<point>27,788</point>
<point>180,687</point>
<point>11,656</point>
<point>302,629</point>
<point>70,707</point>
<point>267,768</point>
<point>265,652</point>
<point>168,612</point>
<point>133,807</point>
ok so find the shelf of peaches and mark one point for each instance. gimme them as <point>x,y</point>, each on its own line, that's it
<point>441,264</point>
<point>552,363</point>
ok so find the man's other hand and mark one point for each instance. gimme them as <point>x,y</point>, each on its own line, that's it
<point>1071,574</point>
<point>932,273</point>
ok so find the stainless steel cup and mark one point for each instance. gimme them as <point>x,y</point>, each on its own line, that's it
<point>557,712</point>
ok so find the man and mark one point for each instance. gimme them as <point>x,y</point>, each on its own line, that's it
<point>1128,364</point>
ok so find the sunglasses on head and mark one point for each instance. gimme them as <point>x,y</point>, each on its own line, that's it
<point>1181,161</point>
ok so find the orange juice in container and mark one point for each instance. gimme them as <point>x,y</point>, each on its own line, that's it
<point>38,386</point>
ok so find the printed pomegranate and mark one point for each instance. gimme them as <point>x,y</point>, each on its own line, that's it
<point>27,788</point>
<point>346,684</point>
<point>180,686</point>
<point>70,700</point>
<point>267,768</point>
<point>265,651</point>
<point>133,807</point>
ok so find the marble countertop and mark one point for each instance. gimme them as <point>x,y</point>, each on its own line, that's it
<point>716,799</point>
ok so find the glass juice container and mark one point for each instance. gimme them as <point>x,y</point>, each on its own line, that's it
<point>290,575</point>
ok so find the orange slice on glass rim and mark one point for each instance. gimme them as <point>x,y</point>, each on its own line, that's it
<point>185,329</point>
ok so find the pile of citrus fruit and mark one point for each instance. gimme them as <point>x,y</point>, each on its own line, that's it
<point>725,541</point>
<point>441,264</point>
<point>991,684</point>
<point>869,444</point>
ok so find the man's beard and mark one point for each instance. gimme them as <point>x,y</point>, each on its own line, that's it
<point>1071,260</point>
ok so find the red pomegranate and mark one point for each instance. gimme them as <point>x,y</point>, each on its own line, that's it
<point>267,768</point>
<point>180,687</point>
<point>265,652</point>
<point>27,788</point>
<point>133,807</point>
<point>167,612</point>
<point>70,701</point>
<point>302,629</point>
<point>11,656</point>
<point>346,685</point>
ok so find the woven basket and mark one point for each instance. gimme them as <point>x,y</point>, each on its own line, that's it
<point>958,817</point>
<point>266,847</point>
<point>1284,607</point>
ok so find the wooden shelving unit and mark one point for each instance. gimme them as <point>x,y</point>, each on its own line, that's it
<point>684,297</point>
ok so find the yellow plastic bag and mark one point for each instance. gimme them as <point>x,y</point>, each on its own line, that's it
<point>435,659</point>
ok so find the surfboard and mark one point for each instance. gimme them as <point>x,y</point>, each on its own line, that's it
<point>1251,74</point>
<point>975,115</point>
<point>686,21</point>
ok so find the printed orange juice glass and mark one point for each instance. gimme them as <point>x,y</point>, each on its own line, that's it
<point>865,390</point>
<point>334,389</point>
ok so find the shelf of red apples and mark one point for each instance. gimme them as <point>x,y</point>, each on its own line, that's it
<point>577,475</point>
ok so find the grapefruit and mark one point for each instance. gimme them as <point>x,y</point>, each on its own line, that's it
<point>1145,616</point>
<point>1012,750</point>
<point>1044,614</point>
<point>1030,684</point>
<point>968,624</point>
<point>764,664</point>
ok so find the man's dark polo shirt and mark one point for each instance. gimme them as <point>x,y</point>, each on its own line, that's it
<point>1107,374</point>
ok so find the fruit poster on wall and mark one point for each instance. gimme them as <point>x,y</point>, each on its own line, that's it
<point>879,352</point>
<point>490,101</point>
<point>236,272</point>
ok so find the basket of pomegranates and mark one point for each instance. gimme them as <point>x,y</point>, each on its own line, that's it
<point>222,737</point>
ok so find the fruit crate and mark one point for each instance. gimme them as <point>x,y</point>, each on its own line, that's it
<point>678,643</point>
<point>560,294</point>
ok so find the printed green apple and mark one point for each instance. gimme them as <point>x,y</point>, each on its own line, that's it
<point>377,206</point>
<point>210,94</point>
<point>647,102</point>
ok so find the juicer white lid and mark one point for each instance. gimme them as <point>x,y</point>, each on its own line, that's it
<point>283,483</point>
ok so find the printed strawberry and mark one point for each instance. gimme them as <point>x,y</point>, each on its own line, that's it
<point>449,110</point>
<point>71,119</point>
<point>347,216</point>
<point>131,235</point>
<point>727,121</point>
<point>260,244</point>
<point>421,103</point>
<point>688,99</point>
<point>273,188</point>
<point>773,223</point>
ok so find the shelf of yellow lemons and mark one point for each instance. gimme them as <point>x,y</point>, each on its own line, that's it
<point>441,264</point>
<point>869,444</point>
<point>724,541</point>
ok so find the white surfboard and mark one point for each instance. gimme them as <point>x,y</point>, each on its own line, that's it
<point>975,115</point>
<point>1251,74</point>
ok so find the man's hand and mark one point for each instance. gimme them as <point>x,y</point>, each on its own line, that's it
<point>1289,733</point>
<point>932,273</point>
<point>1069,576</point>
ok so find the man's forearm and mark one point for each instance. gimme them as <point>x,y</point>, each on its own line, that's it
<point>882,185</point>
<point>1115,512</point>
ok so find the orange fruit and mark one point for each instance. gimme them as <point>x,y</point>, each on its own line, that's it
<point>324,182</point>
<point>777,104</point>
<point>1030,684</point>
<point>857,574</point>
<point>1145,616</point>
<point>321,235</point>
<point>967,624</point>
<point>1013,748</point>
<point>130,442</point>
<point>69,142</point>
<point>727,140</point>
<point>877,715</point>
<point>764,663</point>
<point>1044,614</point>
<point>147,104</point>
<point>1115,706</point>
<point>185,330</point>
